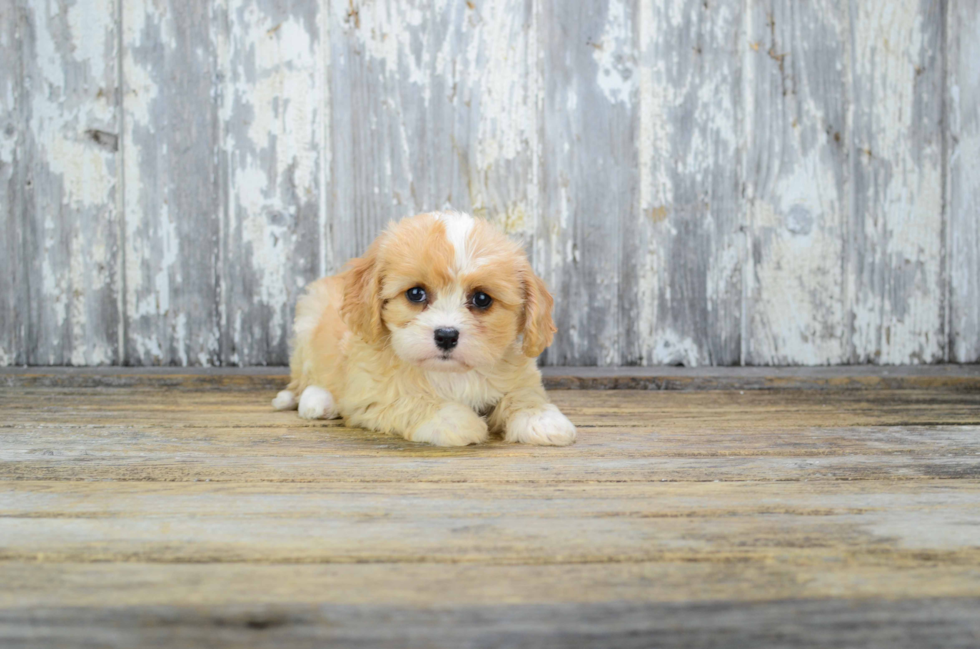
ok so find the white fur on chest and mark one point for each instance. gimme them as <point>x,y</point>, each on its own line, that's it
<point>470,388</point>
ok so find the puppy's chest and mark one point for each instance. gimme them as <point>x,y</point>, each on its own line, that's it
<point>470,388</point>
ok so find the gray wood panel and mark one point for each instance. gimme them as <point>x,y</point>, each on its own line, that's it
<point>701,183</point>
<point>686,306</point>
<point>60,141</point>
<point>430,109</point>
<point>895,236</point>
<point>796,181</point>
<point>589,173</point>
<point>175,188</point>
<point>272,116</point>
<point>13,323</point>
<point>963,179</point>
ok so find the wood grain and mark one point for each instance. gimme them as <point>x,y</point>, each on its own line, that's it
<point>797,180</point>
<point>894,263</point>
<point>272,58</point>
<point>175,197</point>
<point>492,524</point>
<point>701,182</point>
<point>589,120</point>
<point>60,140</point>
<point>682,306</point>
<point>261,587</point>
<point>626,436</point>
<point>962,179</point>
<point>809,624</point>
<point>148,516</point>
<point>13,284</point>
<point>850,377</point>
<point>430,109</point>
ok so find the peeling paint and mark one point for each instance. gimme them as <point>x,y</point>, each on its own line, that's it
<point>688,148</point>
<point>896,290</point>
<point>66,182</point>
<point>271,110</point>
<point>172,196</point>
<point>963,182</point>
<point>672,349</point>
<point>699,182</point>
<point>797,189</point>
<point>614,55</point>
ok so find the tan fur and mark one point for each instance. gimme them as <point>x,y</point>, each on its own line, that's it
<point>358,337</point>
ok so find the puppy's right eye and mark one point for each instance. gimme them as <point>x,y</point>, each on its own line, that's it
<point>416,294</point>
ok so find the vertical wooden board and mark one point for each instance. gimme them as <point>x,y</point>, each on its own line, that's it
<point>589,175</point>
<point>174,196</point>
<point>796,181</point>
<point>271,114</point>
<point>685,250</point>
<point>895,269</point>
<point>13,295</point>
<point>497,143</point>
<point>963,178</point>
<point>430,109</point>
<point>63,186</point>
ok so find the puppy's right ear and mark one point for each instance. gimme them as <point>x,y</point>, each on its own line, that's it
<point>362,295</point>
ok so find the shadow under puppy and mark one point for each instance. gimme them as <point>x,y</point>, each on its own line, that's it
<point>440,320</point>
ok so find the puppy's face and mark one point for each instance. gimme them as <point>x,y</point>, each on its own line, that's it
<point>448,293</point>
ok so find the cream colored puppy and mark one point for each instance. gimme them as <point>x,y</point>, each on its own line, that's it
<point>438,323</point>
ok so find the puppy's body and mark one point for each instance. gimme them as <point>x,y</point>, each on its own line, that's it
<point>366,349</point>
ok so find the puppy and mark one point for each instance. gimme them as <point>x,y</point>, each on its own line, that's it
<point>438,323</point>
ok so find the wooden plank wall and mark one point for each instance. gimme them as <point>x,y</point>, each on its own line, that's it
<point>701,182</point>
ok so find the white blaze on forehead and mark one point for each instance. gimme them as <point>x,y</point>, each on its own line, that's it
<point>458,228</point>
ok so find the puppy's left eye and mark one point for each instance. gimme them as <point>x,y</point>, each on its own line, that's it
<point>481,300</point>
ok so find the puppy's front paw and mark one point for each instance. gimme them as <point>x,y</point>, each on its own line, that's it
<point>285,400</point>
<point>317,403</point>
<point>544,426</point>
<point>453,425</point>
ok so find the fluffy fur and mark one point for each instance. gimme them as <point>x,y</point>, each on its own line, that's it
<point>366,352</point>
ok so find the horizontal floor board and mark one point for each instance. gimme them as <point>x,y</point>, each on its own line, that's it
<point>451,469</point>
<point>65,442</point>
<point>141,434</point>
<point>790,410</point>
<point>213,522</point>
<point>36,585</point>
<point>355,456</point>
<point>817,624</point>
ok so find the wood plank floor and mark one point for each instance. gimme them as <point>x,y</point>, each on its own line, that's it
<point>188,513</point>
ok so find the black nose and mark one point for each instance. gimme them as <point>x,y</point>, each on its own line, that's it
<point>446,338</point>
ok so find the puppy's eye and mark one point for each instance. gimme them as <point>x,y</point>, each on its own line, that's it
<point>481,300</point>
<point>416,294</point>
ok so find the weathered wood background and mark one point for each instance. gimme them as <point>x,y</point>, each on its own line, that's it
<point>700,182</point>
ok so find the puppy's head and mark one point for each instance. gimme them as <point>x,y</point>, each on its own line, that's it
<point>447,292</point>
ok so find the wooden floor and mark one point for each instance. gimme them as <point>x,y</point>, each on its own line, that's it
<point>185,512</point>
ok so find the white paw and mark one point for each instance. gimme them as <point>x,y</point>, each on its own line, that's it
<point>285,400</point>
<point>542,426</point>
<point>317,403</point>
<point>454,425</point>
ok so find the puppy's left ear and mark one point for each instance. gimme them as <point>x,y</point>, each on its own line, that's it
<point>539,328</point>
<point>362,295</point>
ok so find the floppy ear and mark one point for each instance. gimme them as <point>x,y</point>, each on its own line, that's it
<point>362,295</point>
<point>539,328</point>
